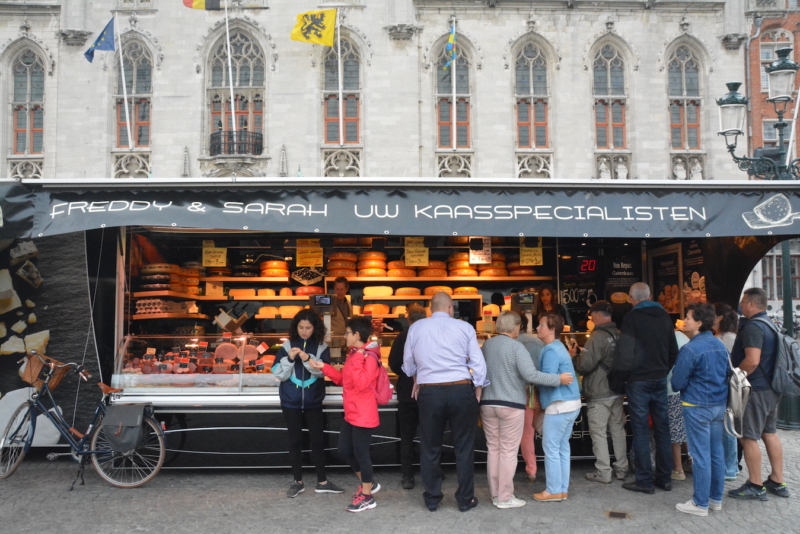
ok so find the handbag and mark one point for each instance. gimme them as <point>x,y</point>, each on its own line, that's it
<point>738,395</point>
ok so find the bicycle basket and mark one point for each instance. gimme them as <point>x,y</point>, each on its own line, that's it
<point>35,372</point>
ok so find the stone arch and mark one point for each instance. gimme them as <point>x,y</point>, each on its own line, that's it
<point>625,49</point>
<point>245,23</point>
<point>465,42</point>
<point>516,43</point>
<point>13,47</point>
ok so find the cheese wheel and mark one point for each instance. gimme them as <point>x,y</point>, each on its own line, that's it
<point>273,265</point>
<point>268,311</point>
<point>376,309</point>
<point>178,288</point>
<point>494,272</point>
<point>372,272</point>
<point>365,241</point>
<point>399,309</point>
<point>275,273</point>
<point>438,289</point>
<point>193,290</point>
<point>372,255</point>
<point>433,272</point>
<point>345,256</point>
<point>498,256</point>
<point>347,273</point>
<point>408,291</point>
<point>341,264</point>
<point>400,264</point>
<point>493,265</point>
<point>156,268</point>
<point>463,272</point>
<point>458,240</point>
<point>498,240</point>
<point>288,312</point>
<point>460,264</point>
<point>266,292</point>
<point>192,273</point>
<point>458,256</point>
<point>513,265</point>
<point>377,291</point>
<point>345,241</point>
<point>522,272</point>
<point>286,292</point>
<point>433,264</point>
<point>402,272</point>
<point>309,290</point>
<point>466,290</point>
<point>371,264</point>
<point>493,308</point>
<point>242,292</point>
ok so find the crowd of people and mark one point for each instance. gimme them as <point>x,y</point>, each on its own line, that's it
<point>518,383</point>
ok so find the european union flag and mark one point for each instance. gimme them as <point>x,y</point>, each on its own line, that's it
<point>105,41</point>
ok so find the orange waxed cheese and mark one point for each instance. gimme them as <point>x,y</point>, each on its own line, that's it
<point>372,272</point>
<point>463,272</point>
<point>345,256</point>
<point>433,272</point>
<point>407,291</point>
<point>437,289</point>
<point>494,272</point>
<point>372,255</point>
<point>371,264</point>
<point>402,272</point>
<point>275,273</point>
<point>286,292</point>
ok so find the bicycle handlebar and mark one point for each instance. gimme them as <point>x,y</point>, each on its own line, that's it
<point>84,374</point>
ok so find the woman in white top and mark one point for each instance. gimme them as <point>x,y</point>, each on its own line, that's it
<point>726,327</point>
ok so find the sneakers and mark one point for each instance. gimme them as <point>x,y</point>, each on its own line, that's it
<point>678,475</point>
<point>530,479</point>
<point>361,502</point>
<point>376,487</point>
<point>597,476</point>
<point>620,474</point>
<point>716,506</point>
<point>513,502</point>
<point>408,483</point>
<point>749,491</point>
<point>781,490</point>
<point>689,507</point>
<point>296,489</point>
<point>633,486</point>
<point>329,487</point>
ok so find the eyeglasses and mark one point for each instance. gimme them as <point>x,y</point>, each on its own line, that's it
<point>348,333</point>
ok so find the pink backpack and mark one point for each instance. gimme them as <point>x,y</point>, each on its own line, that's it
<point>383,387</point>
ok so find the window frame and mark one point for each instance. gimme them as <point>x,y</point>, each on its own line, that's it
<point>136,95</point>
<point>684,99</point>
<point>794,273</point>
<point>350,52</point>
<point>28,106</point>
<point>531,97</point>
<point>609,99</point>
<point>462,61</point>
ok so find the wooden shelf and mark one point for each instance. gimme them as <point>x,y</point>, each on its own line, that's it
<point>272,299</point>
<point>441,279</point>
<point>421,297</point>
<point>170,316</point>
<point>245,279</point>
<point>220,298</point>
<point>259,316</point>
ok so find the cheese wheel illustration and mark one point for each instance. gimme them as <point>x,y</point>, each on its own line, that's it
<point>432,272</point>
<point>494,272</point>
<point>402,272</point>
<point>372,255</point>
<point>345,256</point>
<point>432,290</point>
<point>463,272</point>
<point>372,272</point>
<point>371,264</point>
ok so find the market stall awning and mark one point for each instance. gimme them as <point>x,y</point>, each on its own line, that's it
<point>370,207</point>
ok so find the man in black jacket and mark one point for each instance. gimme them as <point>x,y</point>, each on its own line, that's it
<point>648,349</point>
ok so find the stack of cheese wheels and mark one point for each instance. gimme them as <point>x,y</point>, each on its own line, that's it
<point>465,291</point>
<point>342,264</point>
<point>459,267</point>
<point>411,291</point>
<point>309,290</point>
<point>274,269</point>
<point>398,268</point>
<point>371,263</point>
<point>434,269</point>
<point>497,267</point>
<point>432,290</point>
<point>518,270</point>
<point>345,241</point>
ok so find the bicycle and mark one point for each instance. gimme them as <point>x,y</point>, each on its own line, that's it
<point>129,469</point>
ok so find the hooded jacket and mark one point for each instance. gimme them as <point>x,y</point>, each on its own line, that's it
<point>647,345</point>
<point>357,378</point>
<point>599,348</point>
<point>302,388</point>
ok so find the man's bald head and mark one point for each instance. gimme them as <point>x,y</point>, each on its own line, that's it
<point>442,302</point>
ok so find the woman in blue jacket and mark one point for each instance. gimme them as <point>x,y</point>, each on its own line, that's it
<point>700,374</point>
<point>561,405</point>
<point>301,391</point>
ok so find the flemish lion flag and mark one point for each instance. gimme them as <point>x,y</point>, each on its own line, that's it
<point>315,27</point>
<point>208,5</point>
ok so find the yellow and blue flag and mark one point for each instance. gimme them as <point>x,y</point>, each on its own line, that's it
<point>315,27</point>
<point>105,41</point>
<point>451,46</point>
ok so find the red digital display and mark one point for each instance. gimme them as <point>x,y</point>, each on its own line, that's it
<point>588,265</point>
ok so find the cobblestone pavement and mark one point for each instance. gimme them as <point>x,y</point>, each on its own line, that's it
<point>35,499</point>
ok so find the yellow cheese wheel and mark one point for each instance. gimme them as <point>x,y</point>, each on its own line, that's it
<point>345,241</point>
<point>513,265</point>
<point>192,273</point>
<point>400,264</point>
<point>371,264</point>
<point>458,240</point>
<point>372,255</point>
<point>286,292</point>
<point>242,292</point>
<point>522,272</point>
<point>273,265</point>
<point>494,272</point>
<point>309,290</point>
<point>438,289</point>
<point>341,264</point>
<point>275,273</point>
<point>289,311</point>
<point>408,291</point>
<point>433,272</point>
<point>458,256</point>
<point>345,256</point>
<point>376,309</point>
<point>268,311</point>
<point>372,272</point>
<point>178,288</point>
<point>402,272</point>
<point>466,290</point>
<point>266,292</point>
<point>493,308</point>
<point>347,273</point>
<point>498,256</point>
<point>493,265</point>
<point>377,291</point>
<point>461,264</point>
<point>190,281</point>
<point>463,272</point>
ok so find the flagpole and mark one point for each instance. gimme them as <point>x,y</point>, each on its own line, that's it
<point>341,75</point>
<point>453,78</point>
<point>230,78</point>
<point>124,85</point>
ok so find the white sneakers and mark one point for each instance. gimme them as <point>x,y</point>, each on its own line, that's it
<point>513,502</point>
<point>689,507</point>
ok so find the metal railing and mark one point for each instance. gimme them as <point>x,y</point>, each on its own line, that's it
<point>244,143</point>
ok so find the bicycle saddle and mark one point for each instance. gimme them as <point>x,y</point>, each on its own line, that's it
<point>107,389</point>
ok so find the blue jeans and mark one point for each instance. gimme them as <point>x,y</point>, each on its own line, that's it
<point>649,397</point>
<point>557,430</point>
<point>731,447</point>
<point>704,433</point>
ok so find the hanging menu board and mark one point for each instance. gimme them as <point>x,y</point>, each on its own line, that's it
<point>484,255</point>
<point>667,278</point>
<point>694,273</point>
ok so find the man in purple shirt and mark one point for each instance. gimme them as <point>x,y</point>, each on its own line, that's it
<point>443,356</point>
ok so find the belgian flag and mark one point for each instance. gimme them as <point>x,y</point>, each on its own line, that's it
<point>208,5</point>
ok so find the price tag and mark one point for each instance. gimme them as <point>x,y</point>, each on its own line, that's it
<point>484,255</point>
<point>309,257</point>
<point>162,367</point>
<point>149,357</point>
<point>260,367</point>
<point>184,365</point>
<point>235,367</point>
<point>415,242</point>
<point>262,348</point>
<point>193,360</point>
<point>169,358</point>
<point>307,243</point>
<point>416,257</point>
<point>226,337</point>
<point>529,256</point>
<point>219,361</point>
<point>176,348</point>
<point>150,351</point>
<point>251,363</point>
<point>215,257</point>
<point>203,346</point>
<point>207,369</point>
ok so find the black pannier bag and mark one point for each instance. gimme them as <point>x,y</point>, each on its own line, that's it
<point>122,426</point>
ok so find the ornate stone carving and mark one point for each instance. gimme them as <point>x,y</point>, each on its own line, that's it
<point>534,165</point>
<point>74,37</point>
<point>692,41</point>
<point>283,166</point>
<point>688,167</point>
<point>149,38</point>
<point>243,21</point>
<point>213,167</point>
<point>539,39</point>
<point>454,166</point>
<point>25,33</point>
<point>185,173</point>
<point>341,163</point>
<point>402,32</point>
<point>733,41</point>
<point>613,166</point>
<point>614,37</point>
<point>25,168</point>
<point>132,165</point>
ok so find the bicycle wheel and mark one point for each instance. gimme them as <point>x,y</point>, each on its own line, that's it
<point>132,469</point>
<point>15,436</point>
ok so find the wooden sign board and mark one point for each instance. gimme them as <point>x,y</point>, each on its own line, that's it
<point>529,256</point>
<point>416,257</point>
<point>309,257</point>
<point>215,257</point>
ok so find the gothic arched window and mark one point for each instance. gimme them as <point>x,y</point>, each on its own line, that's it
<point>138,65</point>
<point>609,98</point>
<point>452,83</point>
<point>28,103</point>
<point>531,92</point>
<point>350,122</point>
<point>684,99</point>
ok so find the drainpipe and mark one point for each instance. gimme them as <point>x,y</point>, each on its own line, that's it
<point>757,21</point>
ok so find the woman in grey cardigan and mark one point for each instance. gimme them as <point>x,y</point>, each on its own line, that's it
<point>509,370</point>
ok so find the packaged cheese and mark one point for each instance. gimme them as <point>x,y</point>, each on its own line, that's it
<point>463,272</point>
<point>372,272</point>
<point>433,272</point>
<point>242,292</point>
<point>494,272</point>
<point>522,272</point>
<point>408,291</point>
<point>371,264</point>
<point>378,291</point>
<point>286,292</point>
<point>275,273</point>
<point>345,256</point>
<point>465,290</point>
<point>376,309</point>
<point>274,265</point>
<point>372,255</point>
<point>309,290</point>
<point>438,289</point>
<point>347,273</point>
<point>402,272</point>
<point>266,292</point>
<point>493,308</point>
<point>341,264</point>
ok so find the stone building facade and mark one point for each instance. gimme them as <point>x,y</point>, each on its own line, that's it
<point>620,89</point>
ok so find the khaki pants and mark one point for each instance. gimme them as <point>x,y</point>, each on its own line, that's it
<point>607,417</point>
<point>503,429</point>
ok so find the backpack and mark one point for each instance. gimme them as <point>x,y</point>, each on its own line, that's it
<point>786,374</point>
<point>616,378</point>
<point>383,387</point>
<point>738,395</point>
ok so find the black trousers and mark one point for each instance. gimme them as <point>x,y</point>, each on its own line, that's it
<point>408,417</point>
<point>294,424</point>
<point>438,406</point>
<point>354,442</point>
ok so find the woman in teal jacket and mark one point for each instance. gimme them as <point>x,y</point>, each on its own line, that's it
<point>561,406</point>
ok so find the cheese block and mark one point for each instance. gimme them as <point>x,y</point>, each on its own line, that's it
<point>458,240</point>
<point>345,241</point>
<point>459,256</point>
<point>266,292</point>
<point>37,342</point>
<point>274,265</point>
<point>275,273</point>
<point>9,299</point>
<point>156,268</point>
<point>286,292</point>
<point>494,272</point>
<point>432,264</point>
<point>309,290</point>
<point>371,264</point>
<point>463,272</point>
<point>289,311</point>
<point>376,309</point>
<point>498,256</point>
<point>242,292</point>
<point>268,311</point>
<point>493,265</point>
<point>30,274</point>
<point>438,289</point>
<point>433,272</point>
<point>341,264</point>
<point>356,310</point>
<point>408,291</point>
<point>345,256</point>
<point>13,345</point>
<point>400,264</point>
<point>347,273</point>
<point>402,272</point>
<point>522,272</point>
<point>397,310</point>
<point>460,264</point>
<point>466,290</point>
<point>493,308</point>
<point>372,272</point>
<point>372,255</point>
<point>26,250</point>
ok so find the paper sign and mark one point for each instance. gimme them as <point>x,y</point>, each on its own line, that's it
<point>208,243</point>
<point>415,241</point>
<point>309,257</point>
<point>481,256</point>
<point>416,257</point>
<point>307,243</point>
<point>530,256</point>
<point>215,257</point>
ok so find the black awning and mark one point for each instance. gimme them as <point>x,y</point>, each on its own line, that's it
<point>578,210</point>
